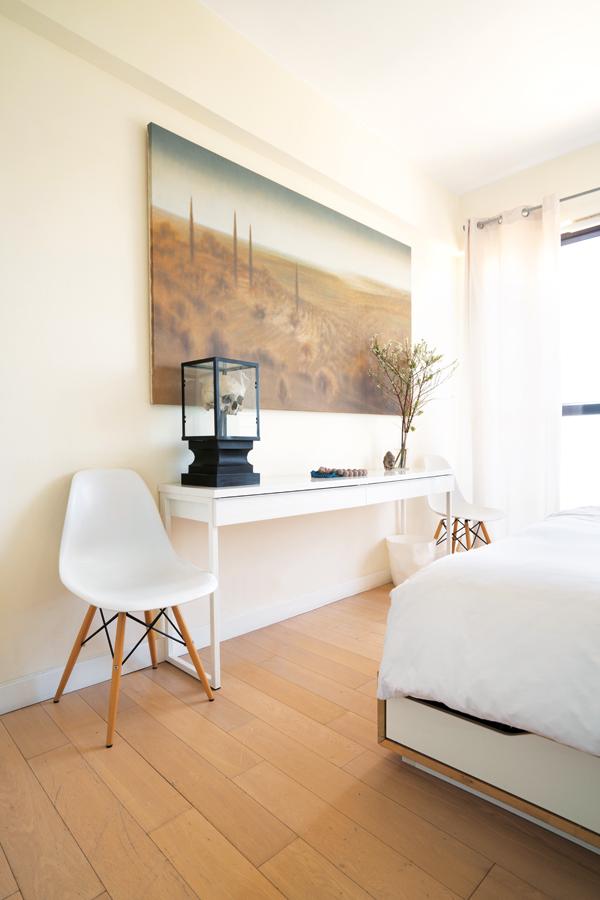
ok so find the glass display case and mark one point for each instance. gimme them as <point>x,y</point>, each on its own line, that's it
<point>220,420</point>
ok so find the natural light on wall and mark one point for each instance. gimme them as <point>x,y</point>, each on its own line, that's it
<point>580,370</point>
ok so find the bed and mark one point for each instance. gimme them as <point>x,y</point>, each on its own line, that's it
<point>491,671</point>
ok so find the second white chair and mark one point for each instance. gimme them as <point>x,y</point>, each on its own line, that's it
<point>469,520</point>
<point>115,555</point>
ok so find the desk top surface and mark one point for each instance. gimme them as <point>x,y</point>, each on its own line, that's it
<point>278,484</point>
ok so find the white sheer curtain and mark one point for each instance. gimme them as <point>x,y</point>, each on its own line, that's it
<point>513,358</point>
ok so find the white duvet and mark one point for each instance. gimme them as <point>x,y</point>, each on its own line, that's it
<point>509,632</point>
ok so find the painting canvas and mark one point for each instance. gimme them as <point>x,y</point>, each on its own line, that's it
<point>246,268</point>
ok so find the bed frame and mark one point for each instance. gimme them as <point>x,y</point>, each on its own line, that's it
<point>555,784</point>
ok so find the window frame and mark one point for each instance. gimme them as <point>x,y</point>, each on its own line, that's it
<point>572,237</point>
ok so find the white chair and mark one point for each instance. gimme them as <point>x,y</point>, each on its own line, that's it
<point>469,520</point>
<point>115,554</point>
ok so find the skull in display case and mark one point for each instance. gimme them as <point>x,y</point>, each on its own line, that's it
<point>220,418</point>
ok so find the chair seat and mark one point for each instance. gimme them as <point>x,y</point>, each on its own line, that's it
<point>461,509</point>
<point>136,588</point>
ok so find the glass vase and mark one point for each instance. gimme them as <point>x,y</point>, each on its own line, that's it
<point>401,460</point>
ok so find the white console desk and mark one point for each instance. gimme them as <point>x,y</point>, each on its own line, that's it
<point>277,498</point>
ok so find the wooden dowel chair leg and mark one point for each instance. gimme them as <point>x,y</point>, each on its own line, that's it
<point>192,651</point>
<point>467,534</point>
<point>113,703</point>
<point>149,615</point>
<point>488,539</point>
<point>438,530</point>
<point>81,636</point>
<point>454,530</point>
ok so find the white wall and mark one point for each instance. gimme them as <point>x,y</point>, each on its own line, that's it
<point>80,82</point>
<point>565,175</point>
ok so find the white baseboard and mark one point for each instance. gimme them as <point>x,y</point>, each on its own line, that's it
<point>42,685</point>
<point>278,612</point>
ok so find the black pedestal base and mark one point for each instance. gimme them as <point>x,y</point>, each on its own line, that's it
<point>219,479</point>
<point>220,462</point>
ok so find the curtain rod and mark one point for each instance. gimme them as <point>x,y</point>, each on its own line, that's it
<point>528,209</point>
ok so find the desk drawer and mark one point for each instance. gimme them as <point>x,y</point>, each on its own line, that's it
<point>411,487</point>
<point>259,507</point>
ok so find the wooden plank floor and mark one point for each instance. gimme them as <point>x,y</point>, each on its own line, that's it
<point>277,789</point>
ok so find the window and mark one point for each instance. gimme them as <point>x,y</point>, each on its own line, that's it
<point>580,368</point>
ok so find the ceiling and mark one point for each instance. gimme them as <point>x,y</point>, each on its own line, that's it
<point>469,90</point>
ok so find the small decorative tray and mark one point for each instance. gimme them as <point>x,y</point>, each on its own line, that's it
<point>324,472</point>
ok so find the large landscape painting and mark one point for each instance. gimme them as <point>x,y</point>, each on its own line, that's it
<point>243,267</point>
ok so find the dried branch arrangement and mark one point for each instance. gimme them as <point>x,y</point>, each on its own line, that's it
<point>410,374</point>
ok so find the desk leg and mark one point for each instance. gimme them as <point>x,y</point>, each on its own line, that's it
<point>174,652</point>
<point>449,523</point>
<point>215,607</point>
<point>401,516</point>
<point>171,654</point>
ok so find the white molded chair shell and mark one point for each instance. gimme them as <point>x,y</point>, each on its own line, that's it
<point>461,508</point>
<point>115,553</point>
